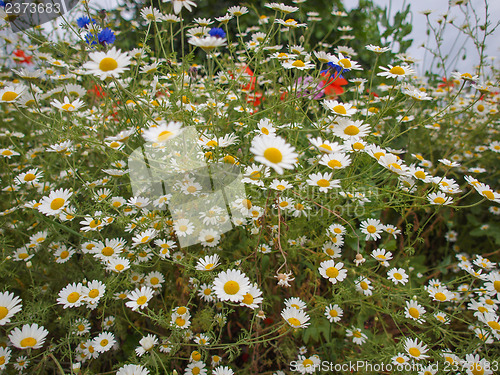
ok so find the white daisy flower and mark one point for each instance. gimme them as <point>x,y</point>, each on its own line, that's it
<point>28,337</point>
<point>10,304</point>
<point>274,152</point>
<point>107,64</point>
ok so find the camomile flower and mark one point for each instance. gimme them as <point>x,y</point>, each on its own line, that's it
<point>183,227</point>
<point>222,370</point>
<point>492,321</point>
<point>372,228</point>
<point>252,298</point>
<point>398,71</point>
<point>332,271</point>
<point>364,286</point>
<point>338,108</point>
<point>81,326</point>
<point>415,311</point>
<point>326,146</point>
<point>440,294</point>
<point>151,14</point>
<point>207,43</point>
<point>10,94</point>
<point>231,285</point>
<point>63,254</point>
<point>397,276</point>
<point>71,295</point>
<point>144,237</point>
<point>208,263</point>
<point>8,153</point>
<point>103,342</point>
<point>381,255</point>
<point>295,318</point>
<point>332,250</point>
<point>93,292</point>
<point>415,349</point>
<point>55,203</point>
<point>290,23</point>
<point>139,298</point>
<point>209,237</point>
<point>336,160</point>
<point>28,337</point>
<point>348,129</point>
<point>377,49</point>
<point>296,303</point>
<point>274,152</point>
<point>181,321</point>
<point>323,181</point>
<point>161,133</point>
<point>67,105</point>
<point>154,279</point>
<point>400,359</point>
<point>297,64</point>
<point>476,365</point>
<point>10,304</point>
<point>393,163</point>
<point>117,264</point>
<point>439,199</point>
<point>31,176</point>
<point>265,127</point>
<point>333,313</point>
<point>280,185</point>
<point>132,370</point>
<point>345,63</point>
<point>146,344</point>
<point>107,64</point>
<point>358,337</point>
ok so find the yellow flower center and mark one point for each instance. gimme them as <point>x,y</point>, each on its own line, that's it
<point>339,109</point>
<point>496,285</point>
<point>371,229</point>
<point>107,251</point>
<point>9,96</point>
<point>476,369</point>
<point>494,325</point>
<point>294,322</point>
<point>247,299</point>
<point>351,130</point>
<point>209,266</point>
<point>94,293</point>
<point>3,312</point>
<point>325,147</point>
<point>6,152</point>
<point>334,164</point>
<point>420,174</point>
<point>29,177</point>
<point>73,297</point>
<point>298,64</point>
<point>164,135</point>
<point>231,287</point>
<point>119,267</point>
<point>307,362</point>
<point>28,342</point>
<point>273,155</point>
<point>488,194</point>
<point>398,276</point>
<point>104,342</point>
<point>180,322</point>
<point>64,254</point>
<point>345,63</point>
<point>141,300</point>
<point>333,313</point>
<point>81,327</point>
<point>68,107</point>
<point>414,352</point>
<point>397,70</point>
<point>323,183</point>
<point>439,200</point>
<point>414,312</point>
<point>57,203</point>
<point>107,64</point>
<point>440,296</point>
<point>480,108</point>
<point>332,272</point>
<point>363,285</point>
<point>95,223</point>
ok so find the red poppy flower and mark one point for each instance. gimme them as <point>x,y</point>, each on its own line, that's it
<point>21,57</point>
<point>332,86</point>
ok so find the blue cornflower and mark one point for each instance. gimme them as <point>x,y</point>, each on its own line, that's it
<point>335,68</point>
<point>106,36</point>
<point>84,21</point>
<point>217,32</point>
<point>90,39</point>
<point>2,3</point>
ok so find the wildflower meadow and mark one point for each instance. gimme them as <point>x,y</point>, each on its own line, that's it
<point>206,187</point>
